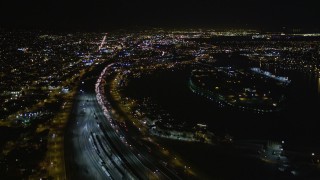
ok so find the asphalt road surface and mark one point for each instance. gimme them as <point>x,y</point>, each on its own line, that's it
<point>97,148</point>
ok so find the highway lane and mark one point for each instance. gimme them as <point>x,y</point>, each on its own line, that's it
<point>139,169</point>
<point>137,156</point>
<point>88,154</point>
<point>107,152</point>
<point>132,162</point>
<point>95,152</point>
<point>80,156</point>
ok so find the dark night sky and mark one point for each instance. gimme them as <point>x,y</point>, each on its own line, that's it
<point>110,14</point>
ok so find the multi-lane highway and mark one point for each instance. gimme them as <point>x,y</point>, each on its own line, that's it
<point>97,148</point>
<point>80,154</point>
<point>89,154</point>
<point>137,156</point>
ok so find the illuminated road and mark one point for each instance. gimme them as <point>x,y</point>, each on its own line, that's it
<point>82,162</point>
<point>135,155</point>
<point>102,42</point>
<point>96,148</point>
<point>88,153</point>
<point>95,151</point>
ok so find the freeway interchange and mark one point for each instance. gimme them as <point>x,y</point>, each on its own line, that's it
<point>96,147</point>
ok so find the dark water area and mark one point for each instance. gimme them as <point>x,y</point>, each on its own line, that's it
<point>222,162</point>
<point>296,123</point>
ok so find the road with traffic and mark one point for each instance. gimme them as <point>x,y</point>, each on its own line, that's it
<point>97,148</point>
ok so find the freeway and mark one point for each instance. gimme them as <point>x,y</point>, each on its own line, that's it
<point>96,147</point>
<point>80,157</point>
<point>88,154</point>
<point>93,149</point>
<point>135,154</point>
